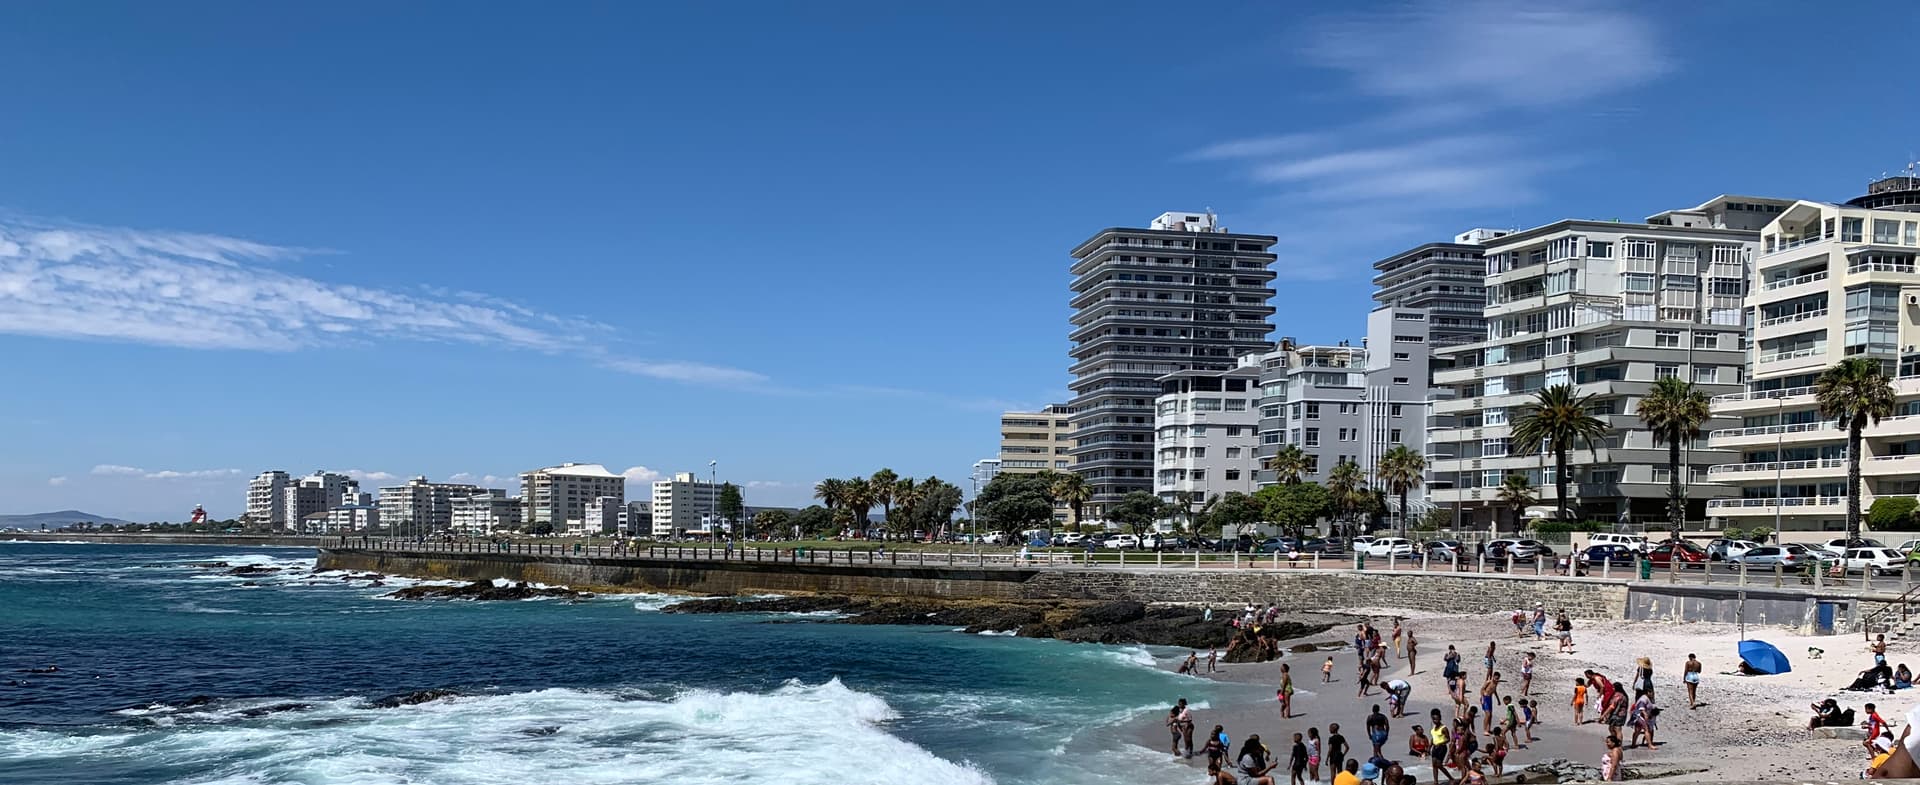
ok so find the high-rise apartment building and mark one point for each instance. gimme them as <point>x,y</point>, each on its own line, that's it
<point>1443,279</point>
<point>1206,430</point>
<point>1606,307</point>
<point>1347,403</point>
<point>314,493</point>
<point>421,507</point>
<point>682,504</point>
<point>1036,441</point>
<point>489,510</point>
<point>266,499</point>
<point>556,494</point>
<point>1181,294</point>
<point>1830,282</point>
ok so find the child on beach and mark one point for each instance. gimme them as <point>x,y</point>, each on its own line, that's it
<point>1216,747</point>
<point>1213,658</point>
<point>1297,761</point>
<point>1285,695</point>
<point>1498,757</point>
<point>1511,728</point>
<point>1579,702</point>
<point>1326,671</point>
<point>1336,756</point>
<point>1313,754</point>
<point>1528,716</point>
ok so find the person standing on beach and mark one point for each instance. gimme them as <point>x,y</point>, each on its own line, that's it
<point>1216,747</point>
<point>1285,693</point>
<point>1326,671</point>
<point>1213,658</point>
<point>1563,629</point>
<point>1614,712</point>
<point>1643,678</point>
<point>1643,716</point>
<point>1692,677</point>
<point>1185,724</point>
<point>1438,752</point>
<point>1336,748</point>
<point>1489,693</point>
<point>1412,649</point>
<point>1313,754</point>
<point>1297,761</point>
<point>1396,640</point>
<point>1489,659</point>
<point>1377,729</point>
<point>1579,702</point>
<point>1526,674</point>
<point>1539,621</point>
<point>1610,762</point>
<point>1173,728</point>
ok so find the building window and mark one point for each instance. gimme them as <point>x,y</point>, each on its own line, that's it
<point>1233,452</point>
<point>1394,410</point>
<point>1666,371</point>
<point>1313,410</point>
<point>1394,436</point>
<point>1706,374</point>
<point>1232,474</point>
<point>1400,380</point>
<point>1666,338</point>
<point>1313,437</point>
<point>1886,232</point>
<point>1402,356</point>
<point>1850,230</point>
<point>1706,340</point>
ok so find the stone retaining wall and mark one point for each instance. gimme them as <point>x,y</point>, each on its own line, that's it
<point>1324,589</point>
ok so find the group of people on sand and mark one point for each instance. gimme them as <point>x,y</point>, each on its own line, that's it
<point>1491,715</point>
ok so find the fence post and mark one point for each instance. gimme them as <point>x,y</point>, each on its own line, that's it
<point>1236,560</point>
<point>1196,558</point>
<point>1777,574</point>
<point>1536,564</point>
<point>1390,559</point>
<point>1316,561</point>
<point>1606,566</point>
<point>1866,572</point>
<point>1123,557</point>
<point>1276,560</point>
<point>1483,563</point>
<point>1159,559</point>
<point>1510,562</point>
<point>1743,572</point>
<point>1706,572</point>
<point>1819,575</point>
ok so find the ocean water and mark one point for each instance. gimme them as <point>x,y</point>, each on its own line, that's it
<point>171,672</point>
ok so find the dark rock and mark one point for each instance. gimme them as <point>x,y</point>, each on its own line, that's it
<point>205,565</point>
<point>262,711</point>
<point>249,583</point>
<point>197,700</point>
<point>544,730</point>
<point>481,590</point>
<point>1119,612</point>
<point>413,698</point>
<point>252,569</point>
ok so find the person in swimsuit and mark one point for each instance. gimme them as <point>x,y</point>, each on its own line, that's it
<point>1313,754</point>
<point>1396,639</point>
<point>1489,658</point>
<point>1579,702</point>
<point>1216,747</point>
<point>1526,674</point>
<point>1377,729</point>
<point>1563,629</point>
<point>1610,762</point>
<point>1489,692</point>
<point>1529,714</point>
<point>1185,723</point>
<point>1692,677</point>
<point>1219,776</point>
<point>1412,649</point>
<point>1326,671</point>
<point>1286,692</point>
<point>1336,756</point>
<point>1173,728</point>
<point>1437,751</point>
<point>1512,726</point>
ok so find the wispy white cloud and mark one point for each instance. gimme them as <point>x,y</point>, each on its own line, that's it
<point>117,470</point>
<point>209,292</point>
<point>640,475</point>
<point>773,484</point>
<point>57,481</point>
<point>370,476</point>
<point>1258,147</point>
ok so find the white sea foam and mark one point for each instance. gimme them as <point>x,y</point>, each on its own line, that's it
<point>999,633</point>
<point>803,734</point>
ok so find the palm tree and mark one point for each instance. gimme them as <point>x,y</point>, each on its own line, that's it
<point>907,493</point>
<point>1074,490</point>
<point>1182,508</point>
<point>857,499</point>
<point>1347,484</point>
<point>1517,493</point>
<point>1555,421</point>
<point>1854,392</point>
<point>1401,469</point>
<point>832,493</point>
<point>1289,465</point>
<point>880,489</point>
<point>1674,411</point>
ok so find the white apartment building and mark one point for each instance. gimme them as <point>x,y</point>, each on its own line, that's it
<point>314,493</point>
<point>1609,308</point>
<point>556,494</point>
<point>984,470</point>
<point>266,499</point>
<point>422,507</point>
<point>636,518</point>
<point>1032,442</point>
<point>486,511</point>
<point>1830,281</point>
<point>602,516</point>
<point>348,518</point>
<point>682,504</point>
<point>1206,429</point>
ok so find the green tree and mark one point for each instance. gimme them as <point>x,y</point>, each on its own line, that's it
<point>1137,510</point>
<point>1437,518</point>
<point>774,523</point>
<point>1347,489</point>
<point>880,491</point>
<point>1230,513</point>
<point>1292,506</point>
<point>1674,412</point>
<point>832,493</point>
<point>1401,470</point>
<point>938,499</point>
<point>1013,503</point>
<point>1853,393</point>
<point>732,507</point>
<point>1289,465</point>
<point>1517,494</point>
<point>814,521</point>
<point>906,497</point>
<point>1893,514</point>
<point>1075,492</point>
<point>856,502</point>
<point>1556,420</point>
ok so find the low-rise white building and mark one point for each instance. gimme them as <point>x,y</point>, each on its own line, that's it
<point>682,504</point>
<point>487,511</point>
<point>602,516</point>
<point>1206,430</point>
<point>556,494</point>
<point>422,507</point>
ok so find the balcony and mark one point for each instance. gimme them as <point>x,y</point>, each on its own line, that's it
<point>1791,318</point>
<point>1797,470</point>
<point>1732,437</point>
<point>1890,464</point>
<point>1792,282</point>
<point>1767,396</point>
<point>1803,355</point>
<point>1800,243</point>
<point>1758,507</point>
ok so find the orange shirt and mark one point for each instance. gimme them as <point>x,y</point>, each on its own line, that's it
<point>1580,694</point>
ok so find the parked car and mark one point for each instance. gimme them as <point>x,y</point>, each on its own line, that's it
<point>1384,546</point>
<point>1336,545</point>
<point>1360,543</point>
<point>1241,544</point>
<point>1072,539</point>
<point>1121,541</point>
<point>1723,549</point>
<point>1277,545</point>
<point>1635,541</point>
<point>1689,555</point>
<point>1522,550</point>
<point>1616,555</point>
<point>1314,545</point>
<point>1876,561</point>
<point>1839,545</point>
<point>1791,556</point>
<point>1444,550</point>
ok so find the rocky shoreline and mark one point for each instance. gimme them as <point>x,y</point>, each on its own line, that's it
<point>1120,621</point>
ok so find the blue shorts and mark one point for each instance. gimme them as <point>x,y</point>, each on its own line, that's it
<point>1378,737</point>
<point>1486,704</point>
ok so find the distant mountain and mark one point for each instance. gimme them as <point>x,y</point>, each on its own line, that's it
<point>54,520</point>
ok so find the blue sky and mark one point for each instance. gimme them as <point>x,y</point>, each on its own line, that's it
<point>805,240</point>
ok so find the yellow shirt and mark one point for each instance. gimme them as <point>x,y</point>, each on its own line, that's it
<point>1346,778</point>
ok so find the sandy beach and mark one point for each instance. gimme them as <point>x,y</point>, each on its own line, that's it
<point>1746,728</point>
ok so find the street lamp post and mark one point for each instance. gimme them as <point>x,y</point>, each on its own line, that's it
<point>713,498</point>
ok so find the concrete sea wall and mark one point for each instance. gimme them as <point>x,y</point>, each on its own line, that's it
<point>134,538</point>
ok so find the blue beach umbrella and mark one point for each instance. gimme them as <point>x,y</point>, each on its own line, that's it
<point>1763,657</point>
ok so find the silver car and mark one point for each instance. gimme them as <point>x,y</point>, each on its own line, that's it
<point>1790,556</point>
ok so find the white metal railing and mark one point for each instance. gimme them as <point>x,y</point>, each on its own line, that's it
<point>1880,267</point>
<point>1795,317</point>
<point>1730,468</point>
<point>1792,355</point>
<point>1800,243</point>
<point>1763,395</point>
<point>1790,501</point>
<point>1809,278</point>
<point>1800,427</point>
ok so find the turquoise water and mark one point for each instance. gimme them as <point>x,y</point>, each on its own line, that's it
<point>173,673</point>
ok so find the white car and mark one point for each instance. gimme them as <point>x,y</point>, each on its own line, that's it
<point>1074,539</point>
<point>1878,561</point>
<point>1839,545</point>
<point>1632,542</point>
<point>1121,541</point>
<point>1386,546</point>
